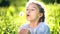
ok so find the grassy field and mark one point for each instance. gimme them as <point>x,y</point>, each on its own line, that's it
<point>13,17</point>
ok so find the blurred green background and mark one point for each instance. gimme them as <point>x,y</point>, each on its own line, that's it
<point>13,15</point>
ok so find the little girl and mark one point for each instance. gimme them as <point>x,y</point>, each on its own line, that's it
<point>35,14</point>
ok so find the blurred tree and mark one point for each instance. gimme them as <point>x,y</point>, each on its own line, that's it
<point>4,3</point>
<point>58,1</point>
<point>50,1</point>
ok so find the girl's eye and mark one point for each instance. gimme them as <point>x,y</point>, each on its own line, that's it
<point>32,9</point>
<point>27,9</point>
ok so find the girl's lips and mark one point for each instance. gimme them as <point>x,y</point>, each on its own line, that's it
<point>27,15</point>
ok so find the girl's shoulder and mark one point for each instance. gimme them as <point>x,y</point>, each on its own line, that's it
<point>43,25</point>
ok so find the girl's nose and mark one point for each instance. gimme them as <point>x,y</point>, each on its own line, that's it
<point>28,11</point>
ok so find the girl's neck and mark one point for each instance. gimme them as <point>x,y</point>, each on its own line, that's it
<point>33,24</point>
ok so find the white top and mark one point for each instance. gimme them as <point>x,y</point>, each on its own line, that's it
<point>42,28</point>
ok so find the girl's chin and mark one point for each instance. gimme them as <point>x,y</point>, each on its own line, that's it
<point>29,19</point>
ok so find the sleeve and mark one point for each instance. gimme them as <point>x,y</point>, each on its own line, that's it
<point>47,30</point>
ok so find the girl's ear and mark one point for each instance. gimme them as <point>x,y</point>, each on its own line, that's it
<point>40,14</point>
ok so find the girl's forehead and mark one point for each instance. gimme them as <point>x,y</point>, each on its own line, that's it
<point>33,5</point>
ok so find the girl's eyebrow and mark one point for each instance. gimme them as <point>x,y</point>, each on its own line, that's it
<point>35,7</point>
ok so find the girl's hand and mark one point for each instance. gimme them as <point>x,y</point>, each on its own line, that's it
<point>24,31</point>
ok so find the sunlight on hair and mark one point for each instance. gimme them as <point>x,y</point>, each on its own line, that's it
<point>31,0</point>
<point>35,1</point>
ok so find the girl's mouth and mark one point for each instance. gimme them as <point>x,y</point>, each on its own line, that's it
<point>27,15</point>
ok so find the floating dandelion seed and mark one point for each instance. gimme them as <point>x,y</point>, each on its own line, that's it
<point>21,13</point>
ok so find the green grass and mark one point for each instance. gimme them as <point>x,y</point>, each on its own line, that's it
<point>10,20</point>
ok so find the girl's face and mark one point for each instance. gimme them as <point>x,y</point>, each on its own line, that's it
<point>32,12</point>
